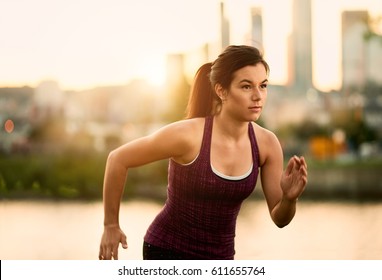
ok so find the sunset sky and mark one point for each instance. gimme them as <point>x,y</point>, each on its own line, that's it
<point>97,42</point>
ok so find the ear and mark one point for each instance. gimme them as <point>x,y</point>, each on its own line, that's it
<point>220,91</point>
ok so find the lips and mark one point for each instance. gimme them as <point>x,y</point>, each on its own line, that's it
<point>255,108</point>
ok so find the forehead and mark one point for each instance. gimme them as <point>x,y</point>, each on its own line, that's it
<point>255,73</point>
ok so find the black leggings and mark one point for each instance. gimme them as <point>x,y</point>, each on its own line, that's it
<point>151,252</point>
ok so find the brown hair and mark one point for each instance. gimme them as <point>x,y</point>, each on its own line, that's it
<point>203,100</point>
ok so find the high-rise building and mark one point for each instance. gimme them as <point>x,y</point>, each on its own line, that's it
<point>301,46</point>
<point>374,58</point>
<point>354,49</point>
<point>48,100</point>
<point>257,28</point>
<point>225,40</point>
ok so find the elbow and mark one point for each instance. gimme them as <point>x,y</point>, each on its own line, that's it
<point>281,222</point>
<point>281,225</point>
<point>114,159</point>
<point>112,155</point>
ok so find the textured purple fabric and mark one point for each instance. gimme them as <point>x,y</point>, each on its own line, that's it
<point>199,216</point>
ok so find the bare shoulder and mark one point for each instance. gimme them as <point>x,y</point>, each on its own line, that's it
<point>179,140</point>
<point>268,143</point>
<point>184,137</point>
<point>185,126</point>
<point>183,132</point>
<point>263,134</point>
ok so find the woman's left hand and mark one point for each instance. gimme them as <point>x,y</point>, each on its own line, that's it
<point>294,178</point>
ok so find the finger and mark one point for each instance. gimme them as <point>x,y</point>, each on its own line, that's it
<point>296,159</point>
<point>300,161</point>
<point>115,252</point>
<point>303,167</point>
<point>303,171</point>
<point>303,162</point>
<point>100,254</point>
<point>303,177</point>
<point>107,255</point>
<point>290,166</point>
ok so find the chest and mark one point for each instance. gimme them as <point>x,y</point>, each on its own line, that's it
<point>231,159</point>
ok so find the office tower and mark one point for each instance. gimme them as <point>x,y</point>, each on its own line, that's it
<point>224,28</point>
<point>256,28</point>
<point>374,58</point>
<point>354,49</point>
<point>301,46</point>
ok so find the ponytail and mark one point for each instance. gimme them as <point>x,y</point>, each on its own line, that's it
<point>202,98</point>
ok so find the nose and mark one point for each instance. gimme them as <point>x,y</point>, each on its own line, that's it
<point>256,94</point>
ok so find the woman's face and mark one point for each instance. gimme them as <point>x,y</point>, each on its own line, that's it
<point>246,96</point>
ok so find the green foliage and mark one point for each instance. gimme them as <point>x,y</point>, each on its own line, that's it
<point>69,176</point>
<point>360,132</point>
<point>3,186</point>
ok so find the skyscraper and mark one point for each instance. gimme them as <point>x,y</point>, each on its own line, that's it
<point>301,46</point>
<point>225,41</point>
<point>354,56</point>
<point>257,28</point>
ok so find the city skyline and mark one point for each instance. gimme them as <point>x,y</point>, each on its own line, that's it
<point>97,43</point>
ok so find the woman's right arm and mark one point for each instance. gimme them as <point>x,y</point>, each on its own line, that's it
<point>171,141</point>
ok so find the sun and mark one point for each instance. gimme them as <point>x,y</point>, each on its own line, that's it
<point>156,75</point>
<point>153,70</point>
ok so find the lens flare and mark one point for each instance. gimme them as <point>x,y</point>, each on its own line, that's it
<point>9,126</point>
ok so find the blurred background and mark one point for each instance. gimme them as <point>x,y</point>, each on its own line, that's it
<point>80,78</point>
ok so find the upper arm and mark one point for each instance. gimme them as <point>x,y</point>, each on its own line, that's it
<point>169,141</point>
<point>271,168</point>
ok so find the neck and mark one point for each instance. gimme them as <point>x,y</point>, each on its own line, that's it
<point>230,128</point>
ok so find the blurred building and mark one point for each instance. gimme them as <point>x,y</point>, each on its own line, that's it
<point>301,47</point>
<point>361,56</point>
<point>117,113</point>
<point>292,103</point>
<point>48,101</point>
<point>361,63</point>
<point>225,38</point>
<point>195,58</point>
<point>257,27</point>
<point>374,58</point>
<point>354,49</point>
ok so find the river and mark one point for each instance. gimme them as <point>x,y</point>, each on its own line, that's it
<point>72,230</point>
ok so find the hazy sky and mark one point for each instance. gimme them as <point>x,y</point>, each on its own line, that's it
<point>84,43</point>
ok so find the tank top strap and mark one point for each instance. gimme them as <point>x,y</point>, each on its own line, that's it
<point>255,148</point>
<point>206,142</point>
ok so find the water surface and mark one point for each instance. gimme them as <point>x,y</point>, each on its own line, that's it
<point>72,230</point>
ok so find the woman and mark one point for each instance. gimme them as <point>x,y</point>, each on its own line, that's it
<point>215,156</point>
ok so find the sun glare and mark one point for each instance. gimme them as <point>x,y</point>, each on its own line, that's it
<point>156,75</point>
<point>153,70</point>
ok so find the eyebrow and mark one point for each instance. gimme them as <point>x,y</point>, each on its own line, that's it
<point>249,81</point>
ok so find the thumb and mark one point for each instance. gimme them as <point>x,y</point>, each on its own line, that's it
<point>124,242</point>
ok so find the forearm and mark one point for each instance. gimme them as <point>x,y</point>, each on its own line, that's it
<point>114,182</point>
<point>284,211</point>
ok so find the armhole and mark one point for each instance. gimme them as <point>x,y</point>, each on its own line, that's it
<point>204,143</point>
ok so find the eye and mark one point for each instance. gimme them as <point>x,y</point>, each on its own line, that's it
<point>246,87</point>
<point>264,86</point>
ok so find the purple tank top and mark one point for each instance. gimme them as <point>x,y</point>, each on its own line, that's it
<point>199,216</point>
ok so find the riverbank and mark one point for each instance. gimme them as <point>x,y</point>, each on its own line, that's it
<point>80,177</point>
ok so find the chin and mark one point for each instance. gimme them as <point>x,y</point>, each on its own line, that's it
<point>254,118</point>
